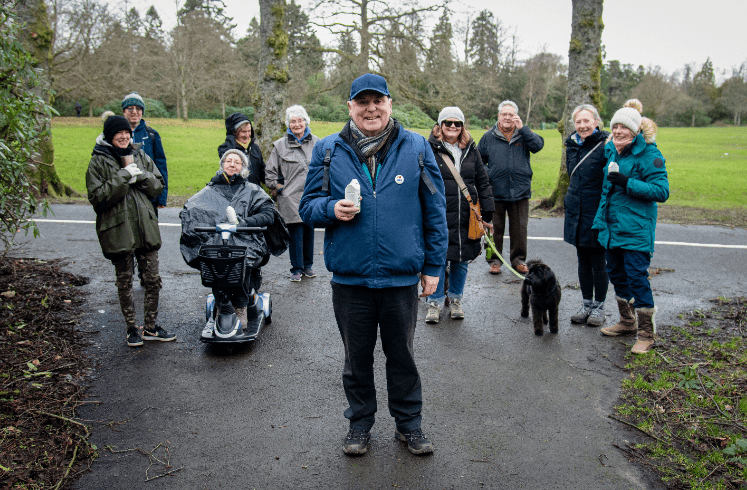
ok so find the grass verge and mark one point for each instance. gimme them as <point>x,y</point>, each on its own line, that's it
<point>690,396</point>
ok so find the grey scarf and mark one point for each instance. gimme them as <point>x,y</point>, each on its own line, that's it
<point>369,146</point>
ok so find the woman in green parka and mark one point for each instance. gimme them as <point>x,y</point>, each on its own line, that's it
<point>636,179</point>
<point>121,180</point>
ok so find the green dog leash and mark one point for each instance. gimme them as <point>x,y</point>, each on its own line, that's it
<point>487,237</point>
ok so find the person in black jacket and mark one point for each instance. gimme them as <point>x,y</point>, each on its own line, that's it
<point>585,162</point>
<point>505,150</point>
<point>240,136</point>
<point>451,142</point>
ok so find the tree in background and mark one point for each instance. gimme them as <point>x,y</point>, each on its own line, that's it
<point>584,70</point>
<point>734,93</point>
<point>542,73</point>
<point>273,59</point>
<point>371,22</point>
<point>483,81</point>
<point>37,40</point>
<point>438,88</point>
<point>22,116</point>
<point>656,92</point>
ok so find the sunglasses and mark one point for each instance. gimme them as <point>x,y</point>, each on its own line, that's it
<point>449,124</point>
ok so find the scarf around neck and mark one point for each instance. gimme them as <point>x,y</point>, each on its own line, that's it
<point>620,144</point>
<point>369,146</point>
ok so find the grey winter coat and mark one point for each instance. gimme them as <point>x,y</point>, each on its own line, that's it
<point>125,219</point>
<point>508,165</point>
<point>286,169</point>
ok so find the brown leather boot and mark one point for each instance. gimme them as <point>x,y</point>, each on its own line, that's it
<point>627,324</point>
<point>646,330</point>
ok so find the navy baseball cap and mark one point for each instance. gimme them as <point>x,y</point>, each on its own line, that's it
<point>369,81</point>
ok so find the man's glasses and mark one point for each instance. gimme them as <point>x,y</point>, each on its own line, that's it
<point>133,108</point>
<point>449,124</point>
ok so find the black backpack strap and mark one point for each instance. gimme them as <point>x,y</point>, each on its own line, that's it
<point>424,176</point>
<point>325,177</point>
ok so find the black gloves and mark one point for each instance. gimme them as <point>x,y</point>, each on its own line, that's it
<point>616,178</point>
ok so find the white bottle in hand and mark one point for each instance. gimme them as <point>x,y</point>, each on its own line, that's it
<point>353,193</point>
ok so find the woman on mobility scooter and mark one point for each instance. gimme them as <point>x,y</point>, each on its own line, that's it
<point>230,198</point>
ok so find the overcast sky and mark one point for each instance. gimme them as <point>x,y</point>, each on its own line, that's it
<point>668,33</point>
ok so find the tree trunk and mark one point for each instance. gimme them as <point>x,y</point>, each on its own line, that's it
<point>584,78</point>
<point>269,120</point>
<point>365,40</point>
<point>39,41</point>
<point>183,95</point>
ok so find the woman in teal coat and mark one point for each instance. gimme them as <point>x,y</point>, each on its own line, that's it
<point>625,223</point>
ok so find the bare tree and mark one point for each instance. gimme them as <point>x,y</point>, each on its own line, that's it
<point>656,92</point>
<point>273,61</point>
<point>371,21</point>
<point>542,71</point>
<point>584,69</point>
<point>734,93</point>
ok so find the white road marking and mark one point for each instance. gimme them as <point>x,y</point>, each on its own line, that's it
<point>552,239</point>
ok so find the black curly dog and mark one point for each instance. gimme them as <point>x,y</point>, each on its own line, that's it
<point>541,290</point>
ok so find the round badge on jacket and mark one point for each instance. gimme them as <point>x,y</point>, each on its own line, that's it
<point>399,179</point>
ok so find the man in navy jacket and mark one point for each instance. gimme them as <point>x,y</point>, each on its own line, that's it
<point>133,108</point>
<point>375,250</point>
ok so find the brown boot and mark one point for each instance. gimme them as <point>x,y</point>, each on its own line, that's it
<point>627,324</point>
<point>241,314</point>
<point>646,330</point>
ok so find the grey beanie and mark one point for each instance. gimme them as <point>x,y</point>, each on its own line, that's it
<point>450,112</point>
<point>629,116</point>
<point>133,99</point>
<point>244,161</point>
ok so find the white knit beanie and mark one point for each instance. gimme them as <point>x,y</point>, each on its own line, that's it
<point>450,112</point>
<point>629,116</point>
<point>244,161</point>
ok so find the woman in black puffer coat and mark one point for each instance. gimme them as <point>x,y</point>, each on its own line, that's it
<point>240,136</point>
<point>451,140</point>
<point>585,162</point>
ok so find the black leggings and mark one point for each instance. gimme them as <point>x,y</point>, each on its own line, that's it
<point>592,273</point>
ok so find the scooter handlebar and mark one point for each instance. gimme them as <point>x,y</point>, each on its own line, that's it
<point>239,229</point>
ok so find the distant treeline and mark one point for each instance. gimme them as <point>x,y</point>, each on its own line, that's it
<point>200,70</point>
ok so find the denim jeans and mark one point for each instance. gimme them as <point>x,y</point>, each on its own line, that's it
<point>628,271</point>
<point>361,313</point>
<point>301,247</point>
<point>457,279</point>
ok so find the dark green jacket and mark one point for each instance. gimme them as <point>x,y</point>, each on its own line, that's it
<point>125,219</point>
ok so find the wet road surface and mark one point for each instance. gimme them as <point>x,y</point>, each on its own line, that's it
<point>504,409</point>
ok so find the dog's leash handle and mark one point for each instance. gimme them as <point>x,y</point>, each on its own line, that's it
<point>492,246</point>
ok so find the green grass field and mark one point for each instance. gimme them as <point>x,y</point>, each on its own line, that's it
<point>707,166</point>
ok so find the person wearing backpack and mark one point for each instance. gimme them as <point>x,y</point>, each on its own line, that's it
<point>133,107</point>
<point>376,247</point>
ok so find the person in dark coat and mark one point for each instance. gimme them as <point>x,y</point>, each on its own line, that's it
<point>240,136</point>
<point>505,150</point>
<point>121,180</point>
<point>585,162</point>
<point>450,141</point>
<point>133,107</point>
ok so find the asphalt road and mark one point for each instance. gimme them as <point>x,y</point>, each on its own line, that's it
<point>505,409</point>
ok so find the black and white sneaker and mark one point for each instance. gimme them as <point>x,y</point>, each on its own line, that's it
<point>417,442</point>
<point>356,442</point>
<point>133,337</point>
<point>157,333</point>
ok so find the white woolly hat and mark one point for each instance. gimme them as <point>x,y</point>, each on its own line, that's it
<point>450,112</point>
<point>629,116</point>
<point>244,161</point>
